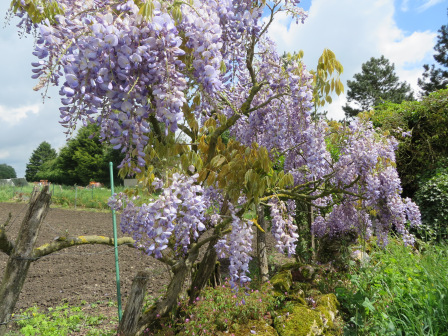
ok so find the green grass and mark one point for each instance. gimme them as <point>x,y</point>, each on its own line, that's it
<point>399,292</point>
<point>63,320</point>
<point>62,196</point>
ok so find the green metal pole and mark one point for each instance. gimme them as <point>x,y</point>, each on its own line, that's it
<point>114,221</point>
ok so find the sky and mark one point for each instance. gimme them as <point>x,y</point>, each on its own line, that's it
<point>404,31</point>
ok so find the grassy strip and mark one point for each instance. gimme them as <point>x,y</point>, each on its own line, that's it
<point>62,196</point>
<point>399,292</point>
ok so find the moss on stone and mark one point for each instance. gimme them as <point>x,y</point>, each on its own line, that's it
<point>328,305</point>
<point>297,319</point>
<point>282,281</point>
<point>329,301</point>
<point>289,266</point>
<point>258,326</point>
<point>300,321</point>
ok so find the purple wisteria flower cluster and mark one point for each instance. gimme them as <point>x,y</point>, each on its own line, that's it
<point>283,228</point>
<point>237,245</point>
<point>119,70</point>
<point>375,206</point>
<point>177,215</point>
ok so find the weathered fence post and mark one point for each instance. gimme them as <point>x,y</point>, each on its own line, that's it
<point>129,322</point>
<point>21,257</point>
<point>261,245</point>
<point>76,194</point>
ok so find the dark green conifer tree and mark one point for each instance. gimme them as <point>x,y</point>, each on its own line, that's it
<point>376,84</point>
<point>40,155</point>
<point>436,78</point>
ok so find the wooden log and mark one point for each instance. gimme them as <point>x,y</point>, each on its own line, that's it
<point>128,325</point>
<point>22,255</point>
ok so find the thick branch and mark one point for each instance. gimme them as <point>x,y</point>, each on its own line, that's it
<point>61,244</point>
<point>6,245</point>
<point>195,247</point>
<point>156,128</point>
<point>219,131</point>
<point>250,59</point>
<point>267,102</point>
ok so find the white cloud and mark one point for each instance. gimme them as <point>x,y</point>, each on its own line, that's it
<point>13,116</point>
<point>4,154</point>
<point>429,4</point>
<point>356,31</point>
<point>405,5</point>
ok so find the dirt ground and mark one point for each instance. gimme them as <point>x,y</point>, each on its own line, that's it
<point>81,272</point>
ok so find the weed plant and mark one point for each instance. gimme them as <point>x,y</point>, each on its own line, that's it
<point>400,291</point>
<point>61,321</point>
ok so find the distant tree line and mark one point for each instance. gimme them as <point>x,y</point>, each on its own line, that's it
<point>82,160</point>
<point>7,172</point>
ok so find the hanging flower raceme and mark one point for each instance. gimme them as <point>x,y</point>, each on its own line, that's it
<point>175,219</point>
<point>375,205</point>
<point>237,245</point>
<point>283,228</point>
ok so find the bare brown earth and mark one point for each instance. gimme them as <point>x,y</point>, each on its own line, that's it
<point>80,273</point>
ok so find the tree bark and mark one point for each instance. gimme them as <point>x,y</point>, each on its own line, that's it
<point>128,325</point>
<point>21,257</point>
<point>6,245</point>
<point>64,242</point>
<point>180,272</point>
<point>312,238</point>
<point>205,270</point>
<point>207,266</point>
<point>261,246</point>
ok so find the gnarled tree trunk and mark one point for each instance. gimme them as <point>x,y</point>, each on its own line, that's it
<point>205,270</point>
<point>180,271</point>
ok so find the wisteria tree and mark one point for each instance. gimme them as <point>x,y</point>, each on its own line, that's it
<point>165,80</point>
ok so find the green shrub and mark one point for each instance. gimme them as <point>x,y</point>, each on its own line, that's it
<point>432,198</point>
<point>426,150</point>
<point>220,309</point>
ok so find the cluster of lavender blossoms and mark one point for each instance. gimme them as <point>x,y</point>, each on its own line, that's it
<point>238,246</point>
<point>283,228</point>
<point>177,215</point>
<point>375,205</point>
<point>123,72</point>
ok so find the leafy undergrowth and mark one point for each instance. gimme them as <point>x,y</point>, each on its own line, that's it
<point>219,309</point>
<point>88,319</point>
<point>400,291</point>
<point>397,291</point>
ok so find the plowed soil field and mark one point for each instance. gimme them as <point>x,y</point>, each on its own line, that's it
<point>80,273</point>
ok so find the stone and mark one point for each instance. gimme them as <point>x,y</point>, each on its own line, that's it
<point>300,320</point>
<point>256,327</point>
<point>282,281</point>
